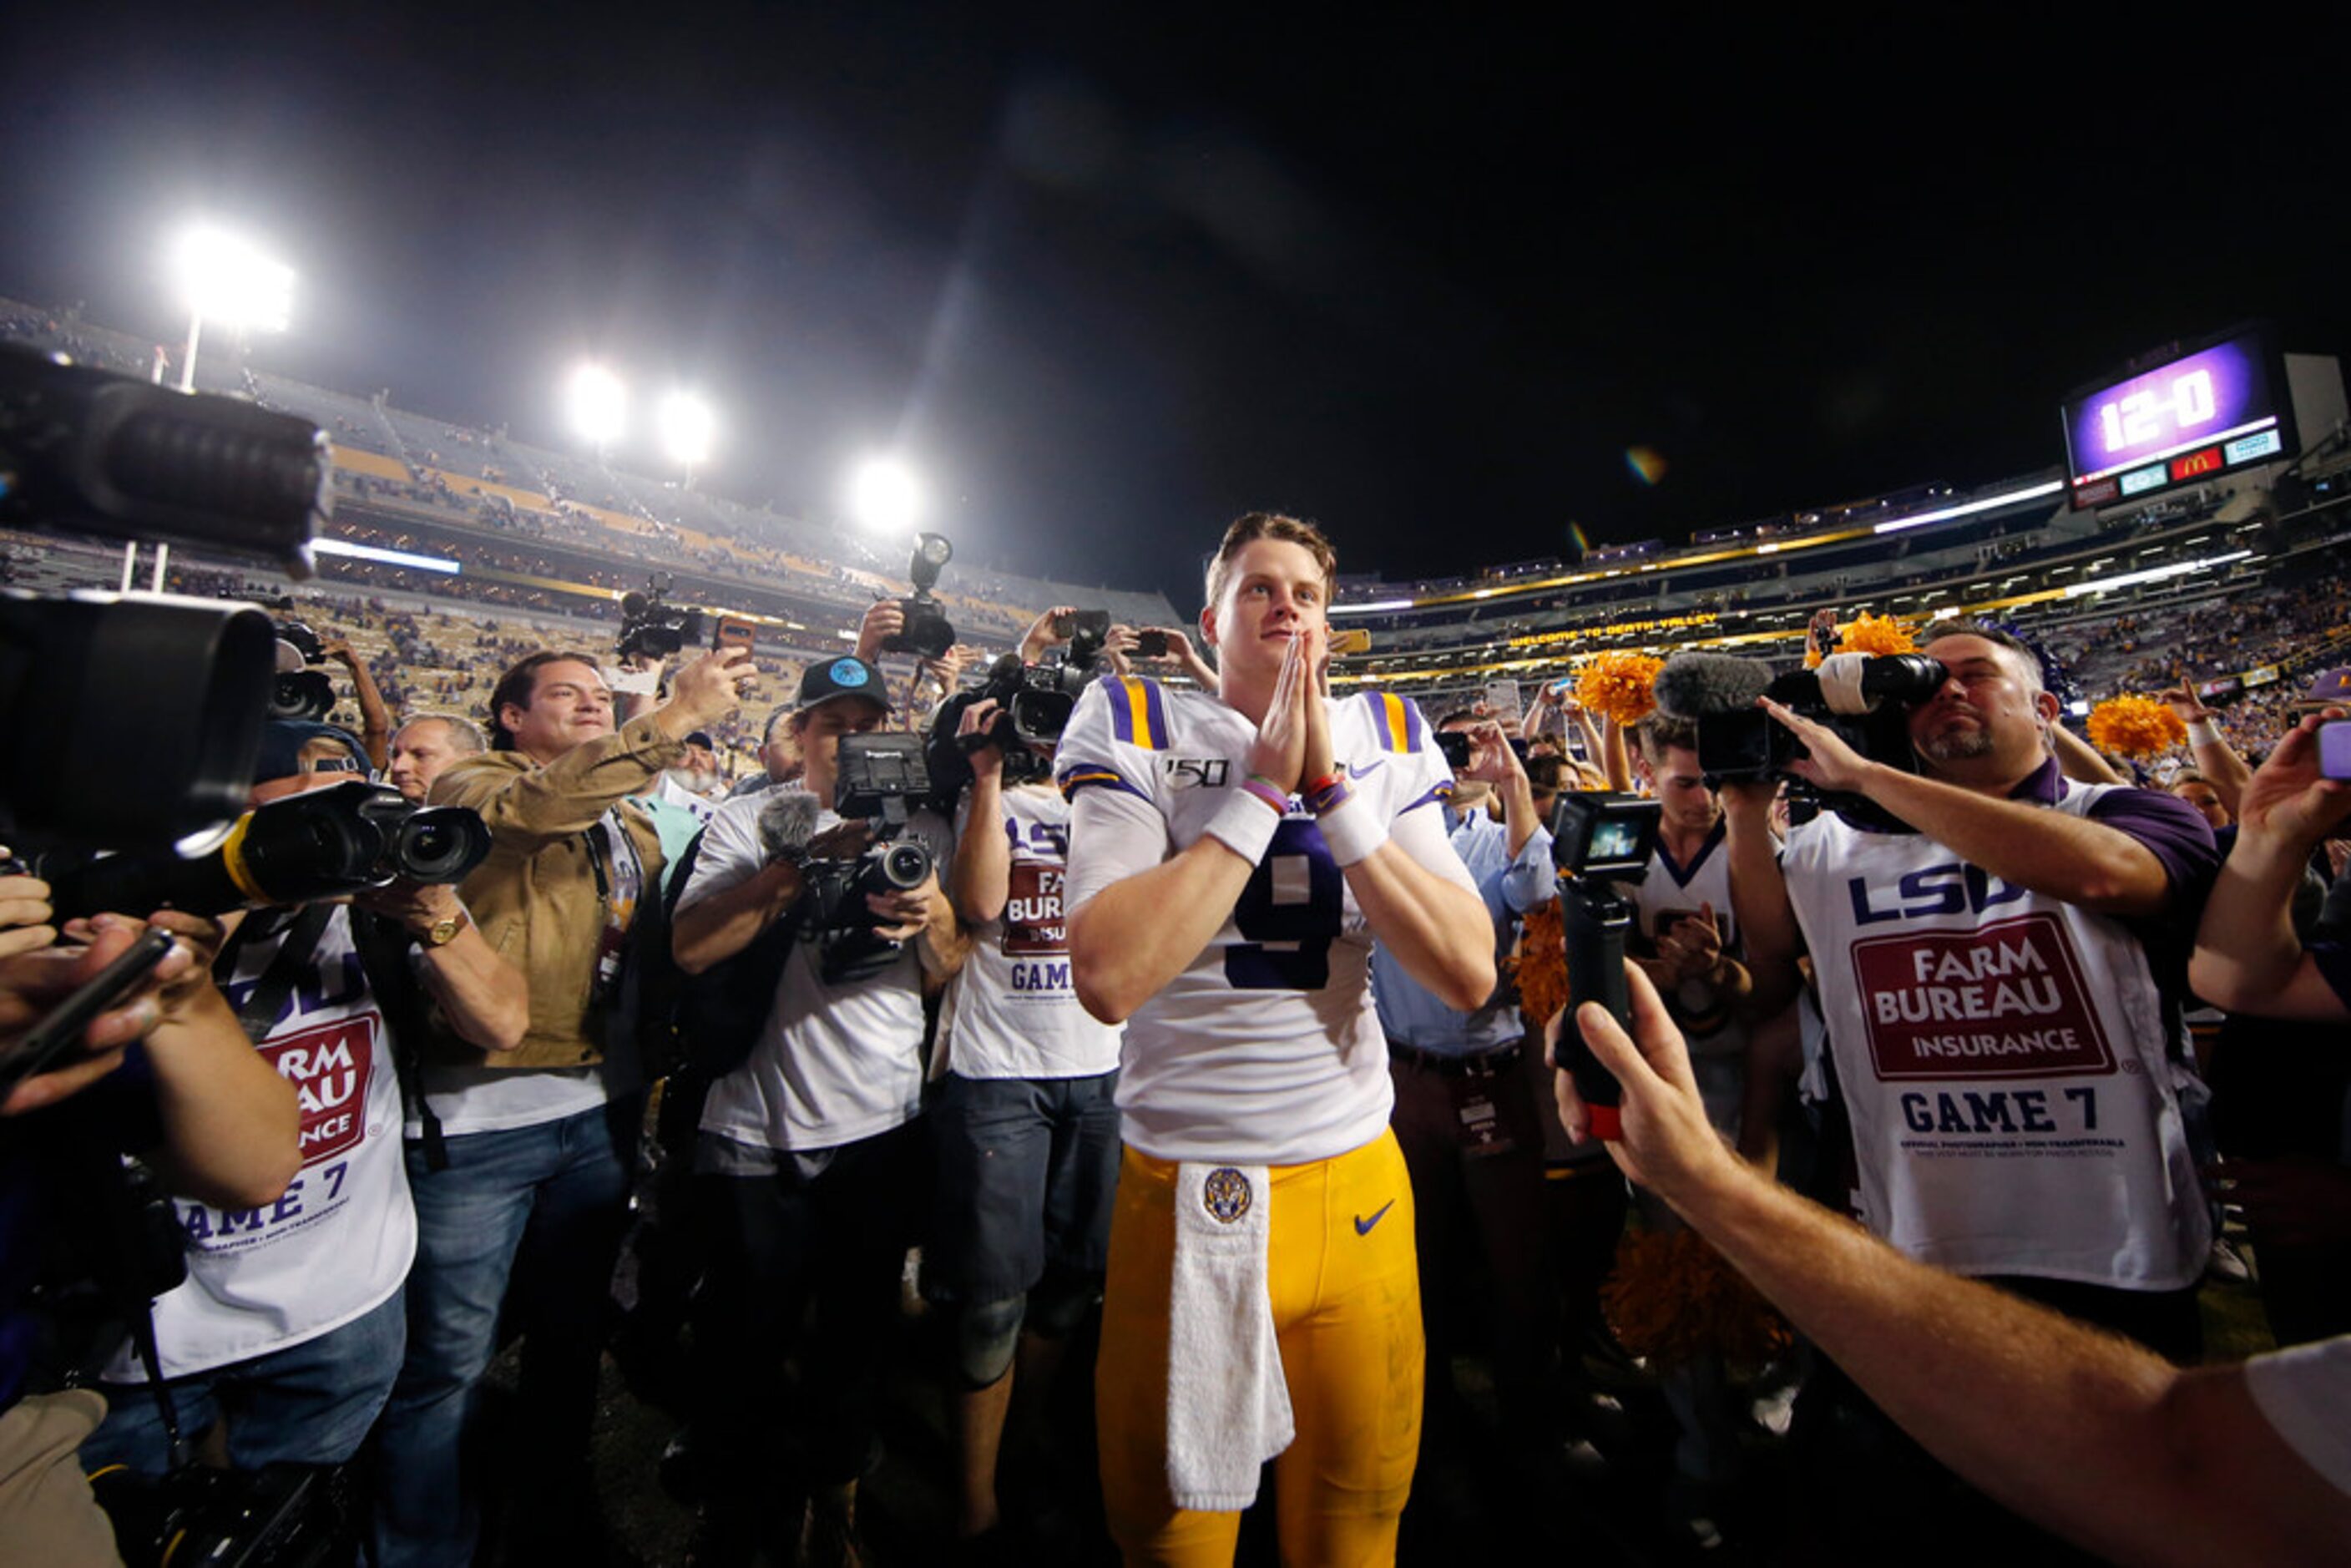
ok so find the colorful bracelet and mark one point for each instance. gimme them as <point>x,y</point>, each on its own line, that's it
<point>1258,787</point>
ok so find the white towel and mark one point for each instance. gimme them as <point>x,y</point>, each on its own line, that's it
<point>1228,1407</point>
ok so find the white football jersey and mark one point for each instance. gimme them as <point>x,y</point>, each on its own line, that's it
<point>2002,1055</point>
<point>1266,1049</point>
<point>338,1241</point>
<point>1011,1010</point>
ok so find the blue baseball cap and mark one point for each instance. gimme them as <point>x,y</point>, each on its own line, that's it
<point>846,676</point>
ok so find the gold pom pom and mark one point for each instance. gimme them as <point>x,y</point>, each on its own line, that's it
<point>1879,634</point>
<point>1620,685</point>
<point>1868,634</point>
<point>2137,726</point>
<point>1539,964</point>
<point>1673,1299</point>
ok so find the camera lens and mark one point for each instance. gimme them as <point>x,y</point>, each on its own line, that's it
<point>439,844</point>
<point>904,866</point>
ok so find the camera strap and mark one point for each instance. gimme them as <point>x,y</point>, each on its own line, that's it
<point>619,882</point>
<point>267,1000</point>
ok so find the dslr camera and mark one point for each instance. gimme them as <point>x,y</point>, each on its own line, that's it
<point>927,634</point>
<point>322,843</point>
<point>877,777</point>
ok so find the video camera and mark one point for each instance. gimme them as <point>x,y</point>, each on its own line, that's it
<point>1864,697</point>
<point>651,627</point>
<point>1598,838</point>
<point>1034,703</point>
<point>927,634</point>
<point>322,843</point>
<point>875,777</point>
<point>87,451</point>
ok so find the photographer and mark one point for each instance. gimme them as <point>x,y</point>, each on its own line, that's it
<point>165,1071</point>
<point>539,1140</point>
<point>811,1174</point>
<point>375,718</point>
<point>2113,1448</point>
<point>1023,1125</point>
<point>1999,986</point>
<point>290,1324</point>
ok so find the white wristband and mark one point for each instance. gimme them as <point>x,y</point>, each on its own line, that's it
<point>1351,830</point>
<point>1245,825</point>
<point>2203,732</point>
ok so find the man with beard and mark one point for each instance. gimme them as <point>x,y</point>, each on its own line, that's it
<point>2000,979</point>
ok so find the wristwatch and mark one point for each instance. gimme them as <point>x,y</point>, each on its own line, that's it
<point>443,931</point>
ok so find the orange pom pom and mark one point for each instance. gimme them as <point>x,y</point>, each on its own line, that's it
<point>1620,685</point>
<point>1673,1299</point>
<point>1539,965</point>
<point>1878,634</point>
<point>2137,726</point>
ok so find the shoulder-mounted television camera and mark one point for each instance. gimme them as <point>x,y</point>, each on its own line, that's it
<point>877,777</point>
<point>1866,698</point>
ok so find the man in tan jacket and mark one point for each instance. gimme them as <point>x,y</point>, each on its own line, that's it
<point>533,1145</point>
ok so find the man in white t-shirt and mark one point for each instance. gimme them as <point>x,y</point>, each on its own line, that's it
<point>1232,860</point>
<point>809,1173</point>
<point>1023,1126</point>
<point>290,1324</point>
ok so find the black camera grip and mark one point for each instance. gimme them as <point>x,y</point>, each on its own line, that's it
<point>1595,926</point>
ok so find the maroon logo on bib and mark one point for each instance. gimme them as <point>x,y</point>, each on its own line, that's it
<point>1032,910</point>
<point>2005,1001</point>
<point>328,1069</point>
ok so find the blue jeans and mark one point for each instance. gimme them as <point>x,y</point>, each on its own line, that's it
<point>555,1194</point>
<point>310,1403</point>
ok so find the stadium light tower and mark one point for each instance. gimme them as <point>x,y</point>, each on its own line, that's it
<point>688,430</point>
<point>885,498</point>
<point>599,405</point>
<point>223,278</point>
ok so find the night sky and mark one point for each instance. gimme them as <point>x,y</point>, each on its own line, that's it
<point>1106,283</point>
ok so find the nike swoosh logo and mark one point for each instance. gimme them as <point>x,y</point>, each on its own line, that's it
<point>1367,769</point>
<point>1364,1227</point>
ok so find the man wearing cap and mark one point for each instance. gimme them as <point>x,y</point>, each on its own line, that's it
<point>811,1174</point>
<point>538,1142</point>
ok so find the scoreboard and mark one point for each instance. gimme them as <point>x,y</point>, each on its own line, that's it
<point>2217,407</point>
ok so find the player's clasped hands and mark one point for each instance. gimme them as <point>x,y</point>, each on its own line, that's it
<point>1293,739</point>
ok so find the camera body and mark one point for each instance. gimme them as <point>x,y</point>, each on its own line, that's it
<point>927,633</point>
<point>875,777</point>
<point>1034,703</point>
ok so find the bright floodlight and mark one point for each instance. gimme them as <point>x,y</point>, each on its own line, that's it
<point>687,429</point>
<point>226,280</point>
<point>884,496</point>
<point>600,404</point>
